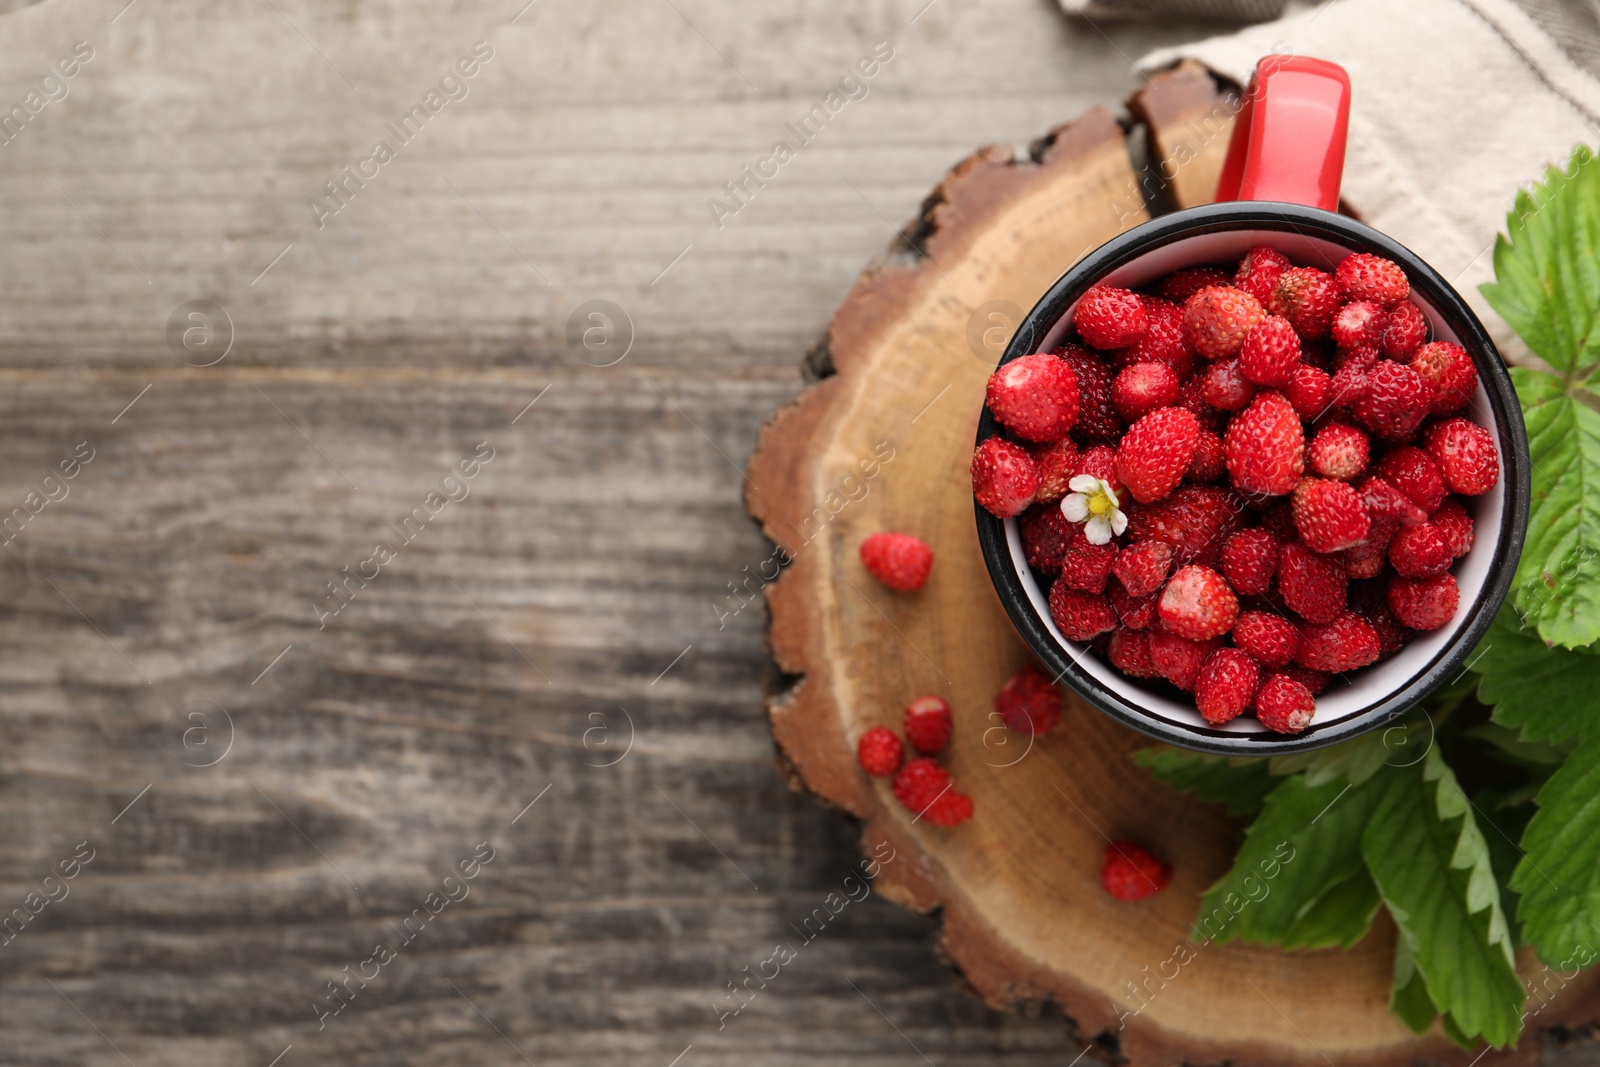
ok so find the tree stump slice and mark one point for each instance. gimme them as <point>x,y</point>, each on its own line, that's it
<point>1025,920</point>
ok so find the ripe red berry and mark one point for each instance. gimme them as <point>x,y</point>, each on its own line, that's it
<point>1424,603</point>
<point>1329,514</point>
<point>1384,500</point>
<point>1192,398</point>
<point>1029,703</point>
<point>1057,462</point>
<point>1249,560</point>
<point>1047,537</point>
<point>1035,396</point>
<point>1270,353</point>
<point>1265,446</point>
<point>1080,616</point>
<point>1308,298</point>
<point>1226,388</point>
<point>1097,419</point>
<point>1194,520</point>
<point>1454,526</point>
<point>1260,270</point>
<point>1142,567</point>
<point>1404,332</point>
<point>1359,325</point>
<point>1284,705</point>
<point>1216,320</point>
<point>1107,317</point>
<point>1198,604</point>
<point>1129,652</point>
<point>1269,639</point>
<point>1004,477</point>
<point>1101,461</point>
<point>1394,402</point>
<point>879,751</point>
<point>1465,455</point>
<point>1314,587</point>
<point>1340,451</point>
<point>898,560</point>
<point>1087,566</point>
<point>1181,285</point>
<point>1136,612</point>
<point>1129,872</point>
<point>1163,341</point>
<point>1345,643</point>
<point>1362,276</point>
<point>1142,388</point>
<point>1310,391</point>
<point>925,787</point>
<point>1449,370</point>
<point>928,724</point>
<point>1416,475</point>
<point>1226,685</point>
<point>1177,658</point>
<point>1420,552</point>
<point>1210,462</point>
<point>1155,453</point>
<point>1367,559</point>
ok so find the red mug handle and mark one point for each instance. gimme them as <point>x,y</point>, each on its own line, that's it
<point>1289,136</point>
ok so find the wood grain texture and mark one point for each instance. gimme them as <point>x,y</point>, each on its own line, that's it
<point>1024,916</point>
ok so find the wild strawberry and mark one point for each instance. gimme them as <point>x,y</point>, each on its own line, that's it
<point>1101,462</point>
<point>1419,552</point>
<point>1310,391</point>
<point>1308,298</point>
<point>1314,587</point>
<point>1359,325</point>
<point>928,724</point>
<point>1129,872</point>
<point>1404,332</point>
<point>1395,401</point>
<point>1129,652</point>
<point>1265,446</point>
<point>1198,604</point>
<point>1142,567</point>
<point>1225,685</point>
<point>1107,317</point>
<point>1284,705</point>
<point>1349,384</point>
<point>1385,501</point>
<point>1035,396</point>
<point>1155,453</point>
<point>1057,462</point>
<point>925,787</point>
<point>1270,353</point>
<point>1179,286</point>
<point>1192,398</point>
<point>1216,320</point>
<point>1454,526</point>
<point>1449,370</point>
<point>1087,566</point>
<point>1209,463</point>
<point>1047,537</point>
<point>952,809</point>
<point>1249,560</point>
<point>1329,514</point>
<point>1465,454</point>
<point>1367,559</point>
<point>1362,276</point>
<point>1424,603</point>
<point>1004,477</point>
<point>1194,520</point>
<point>879,752</point>
<point>1097,419</point>
<point>1344,644</point>
<point>1314,681</point>
<point>1136,612</point>
<point>1414,473</point>
<point>1080,616</point>
<point>1142,388</point>
<point>1029,702</point>
<point>1393,635</point>
<point>898,560</point>
<point>1177,658</point>
<point>1365,357</point>
<point>1260,270</point>
<point>1340,451</point>
<point>1268,639</point>
<point>1163,341</point>
<point>1226,388</point>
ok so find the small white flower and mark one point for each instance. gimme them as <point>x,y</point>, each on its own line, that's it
<point>1094,500</point>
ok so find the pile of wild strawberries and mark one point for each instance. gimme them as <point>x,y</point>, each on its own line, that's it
<point>1243,482</point>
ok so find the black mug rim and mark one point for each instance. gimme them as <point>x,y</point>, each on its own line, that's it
<point>1492,373</point>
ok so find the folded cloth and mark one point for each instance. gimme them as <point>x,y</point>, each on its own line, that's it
<point>1455,105</point>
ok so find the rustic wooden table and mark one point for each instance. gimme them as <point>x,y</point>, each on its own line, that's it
<point>372,519</point>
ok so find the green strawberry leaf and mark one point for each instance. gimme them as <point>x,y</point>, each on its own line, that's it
<point>1408,997</point>
<point>1559,874</point>
<point>1240,785</point>
<point>1339,918</point>
<point>1432,868</point>
<point>1301,848</point>
<point>1547,288</point>
<point>1546,693</point>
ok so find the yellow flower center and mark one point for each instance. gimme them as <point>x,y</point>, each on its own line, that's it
<point>1100,504</point>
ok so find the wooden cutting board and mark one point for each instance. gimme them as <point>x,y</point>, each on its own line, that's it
<point>882,442</point>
